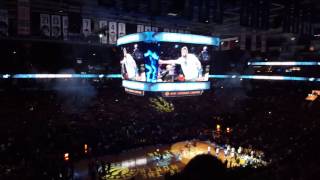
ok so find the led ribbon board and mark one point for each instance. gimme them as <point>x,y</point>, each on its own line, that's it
<point>154,37</point>
<point>62,76</point>
<point>287,63</point>
<point>94,76</point>
<point>166,87</point>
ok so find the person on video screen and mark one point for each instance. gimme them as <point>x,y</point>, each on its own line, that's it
<point>190,65</point>
<point>128,66</point>
<point>138,57</point>
<point>137,54</point>
<point>204,57</point>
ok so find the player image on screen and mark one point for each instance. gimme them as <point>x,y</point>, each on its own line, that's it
<point>204,57</point>
<point>129,69</point>
<point>190,65</point>
<point>138,57</point>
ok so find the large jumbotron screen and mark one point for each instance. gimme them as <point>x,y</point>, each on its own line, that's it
<point>171,63</point>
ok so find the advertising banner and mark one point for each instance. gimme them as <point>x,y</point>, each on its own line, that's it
<point>45,26</point>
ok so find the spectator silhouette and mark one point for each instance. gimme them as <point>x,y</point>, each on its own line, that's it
<point>203,167</point>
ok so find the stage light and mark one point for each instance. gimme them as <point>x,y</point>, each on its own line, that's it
<point>172,14</point>
<point>311,48</point>
<point>6,76</point>
<point>100,35</point>
<point>228,130</point>
<point>85,147</point>
<point>311,79</point>
<point>218,127</point>
<point>293,38</point>
<point>66,156</point>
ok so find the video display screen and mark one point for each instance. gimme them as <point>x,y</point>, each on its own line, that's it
<point>165,62</point>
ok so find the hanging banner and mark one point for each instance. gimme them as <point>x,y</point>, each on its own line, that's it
<point>23,19</point>
<point>103,26</point>
<point>4,22</point>
<point>243,40</point>
<point>147,28</point>
<point>112,32</point>
<point>45,27</point>
<point>121,29</point>
<point>65,27</point>
<point>155,29</point>
<point>166,30</point>
<point>86,27</point>
<point>263,43</point>
<point>55,26</point>
<point>140,28</point>
<point>253,42</point>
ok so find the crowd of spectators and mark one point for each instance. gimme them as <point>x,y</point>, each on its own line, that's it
<point>38,126</point>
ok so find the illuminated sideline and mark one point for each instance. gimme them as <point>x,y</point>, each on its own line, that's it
<point>154,37</point>
<point>167,87</point>
<point>288,63</point>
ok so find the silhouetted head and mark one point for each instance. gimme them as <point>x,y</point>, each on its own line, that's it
<point>204,167</point>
